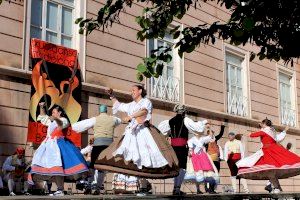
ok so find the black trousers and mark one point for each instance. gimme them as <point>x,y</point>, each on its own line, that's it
<point>95,153</point>
<point>217,164</point>
<point>182,154</point>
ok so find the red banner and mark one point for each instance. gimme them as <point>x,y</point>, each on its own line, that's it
<point>56,80</point>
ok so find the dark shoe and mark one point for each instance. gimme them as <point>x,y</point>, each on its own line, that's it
<point>178,193</point>
<point>199,192</point>
<point>269,188</point>
<point>97,192</point>
<point>87,191</point>
<point>212,192</point>
<point>26,194</point>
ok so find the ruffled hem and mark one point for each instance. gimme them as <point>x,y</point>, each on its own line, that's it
<point>58,170</point>
<point>200,177</point>
<point>140,148</point>
<point>263,172</point>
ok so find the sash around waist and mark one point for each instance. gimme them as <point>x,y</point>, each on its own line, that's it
<point>178,142</point>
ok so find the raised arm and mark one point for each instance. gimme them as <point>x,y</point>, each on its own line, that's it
<point>257,134</point>
<point>42,108</point>
<point>43,117</point>
<point>84,125</point>
<point>117,106</point>
<point>194,126</point>
<point>219,136</point>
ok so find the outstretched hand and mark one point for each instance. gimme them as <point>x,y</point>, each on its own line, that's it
<point>109,91</point>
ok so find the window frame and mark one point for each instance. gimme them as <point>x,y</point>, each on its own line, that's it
<point>78,41</point>
<point>58,32</point>
<point>293,92</point>
<point>178,68</point>
<point>245,79</point>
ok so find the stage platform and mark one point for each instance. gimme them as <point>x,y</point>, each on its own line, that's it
<point>264,196</point>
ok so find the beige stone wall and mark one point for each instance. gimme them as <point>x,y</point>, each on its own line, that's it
<point>11,33</point>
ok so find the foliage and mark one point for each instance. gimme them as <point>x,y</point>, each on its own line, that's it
<point>273,26</point>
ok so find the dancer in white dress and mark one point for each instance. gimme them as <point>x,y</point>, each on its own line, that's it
<point>141,151</point>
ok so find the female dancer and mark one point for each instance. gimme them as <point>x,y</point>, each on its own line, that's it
<point>272,161</point>
<point>203,167</point>
<point>141,151</point>
<point>56,157</point>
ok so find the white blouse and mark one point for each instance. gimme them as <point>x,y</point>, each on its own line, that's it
<point>197,144</point>
<point>192,126</point>
<point>133,107</point>
<point>278,137</point>
<point>45,120</point>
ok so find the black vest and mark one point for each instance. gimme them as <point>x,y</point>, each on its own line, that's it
<point>175,125</point>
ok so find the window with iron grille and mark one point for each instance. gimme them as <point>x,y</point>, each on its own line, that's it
<point>287,106</point>
<point>168,86</point>
<point>236,79</point>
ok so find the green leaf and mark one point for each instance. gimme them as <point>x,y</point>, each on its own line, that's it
<point>167,58</point>
<point>147,74</point>
<point>176,35</point>
<point>81,24</point>
<point>145,10</point>
<point>138,19</point>
<point>180,53</point>
<point>174,29</point>
<point>252,56</point>
<point>81,31</point>
<point>248,23</point>
<point>238,33</point>
<point>146,23</point>
<point>155,75</point>
<point>78,20</point>
<point>152,59</point>
<point>141,68</point>
<point>140,36</point>
<point>139,76</point>
<point>191,49</point>
<point>262,56</point>
<point>159,69</point>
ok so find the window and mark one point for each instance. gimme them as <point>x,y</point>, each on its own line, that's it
<point>236,79</point>
<point>53,21</point>
<point>168,86</point>
<point>287,105</point>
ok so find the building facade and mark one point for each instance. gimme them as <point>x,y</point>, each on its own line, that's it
<point>215,82</point>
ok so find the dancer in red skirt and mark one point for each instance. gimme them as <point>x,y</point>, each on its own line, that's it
<point>272,161</point>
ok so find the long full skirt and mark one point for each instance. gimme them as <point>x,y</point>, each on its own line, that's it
<point>274,160</point>
<point>142,152</point>
<point>57,157</point>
